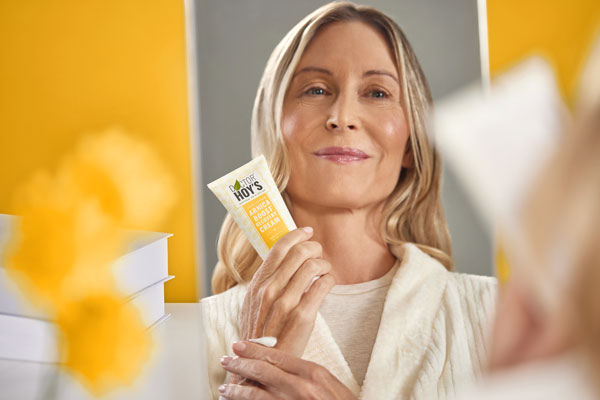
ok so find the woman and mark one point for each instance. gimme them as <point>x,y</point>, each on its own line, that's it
<point>548,319</point>
<point>339,115</point>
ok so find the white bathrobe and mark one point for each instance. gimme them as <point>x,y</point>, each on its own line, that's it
<point>431,340</point>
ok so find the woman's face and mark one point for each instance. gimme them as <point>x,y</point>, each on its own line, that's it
<point>343,123</point>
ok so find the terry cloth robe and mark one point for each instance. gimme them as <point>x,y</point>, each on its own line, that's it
<point>431,340</point>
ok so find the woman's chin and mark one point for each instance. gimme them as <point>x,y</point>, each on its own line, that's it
<point>334,200</point>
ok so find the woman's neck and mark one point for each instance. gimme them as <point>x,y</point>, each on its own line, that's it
<point>351,240</point>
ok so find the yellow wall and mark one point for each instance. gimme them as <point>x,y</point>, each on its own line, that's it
<point>562,31</point>
<point>69,67</point>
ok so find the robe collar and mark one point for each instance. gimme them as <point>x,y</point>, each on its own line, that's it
<point>404,334</point>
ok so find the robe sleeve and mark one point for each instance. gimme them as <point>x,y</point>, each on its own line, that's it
<point>219,316</point>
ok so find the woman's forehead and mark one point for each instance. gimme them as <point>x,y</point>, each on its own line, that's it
<point>355,42</point>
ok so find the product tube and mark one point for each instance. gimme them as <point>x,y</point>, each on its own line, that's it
<point>252,198</point>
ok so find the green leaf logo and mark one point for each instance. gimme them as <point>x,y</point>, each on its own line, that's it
<point>237,185</point>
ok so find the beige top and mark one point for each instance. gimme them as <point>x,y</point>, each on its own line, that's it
<point>353,313</point>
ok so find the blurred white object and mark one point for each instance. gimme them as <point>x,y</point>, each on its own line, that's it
<point>145,263</point>
<point>558,378</point>
<point>27,339</point>
<point>497,142</point>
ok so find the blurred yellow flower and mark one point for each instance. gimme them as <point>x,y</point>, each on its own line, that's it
<point>103,340</point>
<point>71,230</point>
<point>61,244</point>
<point>125,175</point>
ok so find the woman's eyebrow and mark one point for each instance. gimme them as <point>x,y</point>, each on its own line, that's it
<point>380,72</point>
<point>328,72</point>
<point>313,69</point>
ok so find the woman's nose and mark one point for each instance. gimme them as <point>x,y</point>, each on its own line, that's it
<point>343,115</point>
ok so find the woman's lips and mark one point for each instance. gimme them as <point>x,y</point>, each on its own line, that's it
<point>341,154</point>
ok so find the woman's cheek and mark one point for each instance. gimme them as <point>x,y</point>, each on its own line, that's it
<point>288,124</point>
<point>292,136</point>
<point>292,127</point>
<point>294,122</point>
<point>392,137</point>
<point>394,129</point>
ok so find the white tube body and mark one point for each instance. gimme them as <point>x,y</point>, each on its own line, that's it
<point>252,198</point>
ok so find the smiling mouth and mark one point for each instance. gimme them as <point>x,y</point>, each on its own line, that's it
<point>341,155</point>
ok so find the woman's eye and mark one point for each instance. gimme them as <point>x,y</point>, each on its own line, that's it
<point>378,94</point>
<point>315,91</point>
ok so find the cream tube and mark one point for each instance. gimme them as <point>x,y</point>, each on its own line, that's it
<point>252,198</point>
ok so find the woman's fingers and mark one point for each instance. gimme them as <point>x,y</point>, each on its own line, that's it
<point>296,257</point>
<point>273,286</point>
<point>278,358</point>
<point>291,296</point>
<point>281,249</point>
<point>296,332</point>
<point>240,392</point>
<point>277,290</point>
<point>311,301</point>
<point>268,281</point>
<point>260,371</point>
<point>297,378</point>
<point>305,275</point>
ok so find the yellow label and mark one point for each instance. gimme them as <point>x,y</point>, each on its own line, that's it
<point>266,219</point>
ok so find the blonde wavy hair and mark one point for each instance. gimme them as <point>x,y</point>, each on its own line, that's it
<point>412,213</point>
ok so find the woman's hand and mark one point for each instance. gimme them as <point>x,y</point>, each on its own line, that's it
<point>280,375</point>
<point>277,303</point>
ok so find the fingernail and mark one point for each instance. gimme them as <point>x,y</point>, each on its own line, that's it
<point>239,346</point>
<point>268,341</point>
<point>308,229</point>
<point>225,360</point>
<point>222,389</point>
